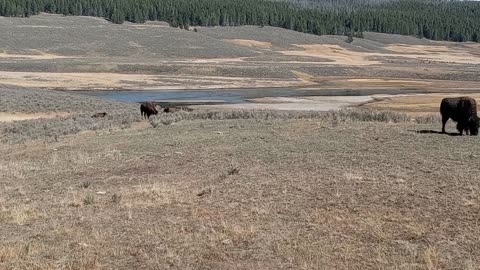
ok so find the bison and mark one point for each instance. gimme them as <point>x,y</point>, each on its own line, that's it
<point>99,115</point>
<point>170,110</point>
<point>462,110</point>
<point>147,109</point>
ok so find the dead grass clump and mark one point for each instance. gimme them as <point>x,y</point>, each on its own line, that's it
<point>86,184</point>
<point>89,199</point>
<point>264,115</point>
<point>116,198</point>
<point>13,169</point>
<point>432,258</point>
<point>158,193</point>
<point>18,251</point>
<point>427,119</point>
<point>85,260</point>
<point>20,215</point>
<point>237,234</point>
<point>233,170</point>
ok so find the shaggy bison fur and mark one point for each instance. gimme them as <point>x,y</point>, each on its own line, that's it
<point>147,109</point>
<point>99,115</point>
<point>462,110</point>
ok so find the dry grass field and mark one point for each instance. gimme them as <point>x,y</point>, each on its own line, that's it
<point>331,192</point>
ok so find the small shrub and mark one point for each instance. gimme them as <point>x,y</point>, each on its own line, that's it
<point>349,38</point>
<point>116,198</point>
<point>233,170</point>
<point>89,199</point>
<point>86,184</point>
<point>334,117</point>
<point>358,34</point>
<point>169,121</point>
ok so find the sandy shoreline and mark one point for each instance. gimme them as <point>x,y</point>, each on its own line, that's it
<point>311,103</point>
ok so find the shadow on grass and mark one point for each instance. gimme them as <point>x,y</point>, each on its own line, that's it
<point>429,131</point>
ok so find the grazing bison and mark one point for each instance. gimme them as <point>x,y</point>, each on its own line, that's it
<point>147,109</point>
<point>99,115</point>
<point>170,110</point>
<point>462,110</point>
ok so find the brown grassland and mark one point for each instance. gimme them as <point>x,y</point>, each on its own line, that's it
<point>322,192</point>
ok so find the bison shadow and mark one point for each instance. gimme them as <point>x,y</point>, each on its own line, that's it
<point>429,131</point>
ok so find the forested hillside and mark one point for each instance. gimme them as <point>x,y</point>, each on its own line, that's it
<point>438,20</point>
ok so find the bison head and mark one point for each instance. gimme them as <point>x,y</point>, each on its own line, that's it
<point>473,124</point>
<point>156,108</point>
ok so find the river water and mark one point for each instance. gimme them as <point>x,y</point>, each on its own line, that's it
<point>231,96</point>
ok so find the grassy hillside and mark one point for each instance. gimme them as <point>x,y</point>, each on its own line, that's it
<point>69,52</point>
<point>438,20</point>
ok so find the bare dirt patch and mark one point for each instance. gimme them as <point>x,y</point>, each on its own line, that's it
<point>10,117</point>
<point>434,53</point>
<point>339,55</point>
<point>33,55</point>
<point>81,81</point>
<point>390,82</point>
<point>296,103</point>
<point>250,43</point>
<point>336,55</point>
<point>346,82</point>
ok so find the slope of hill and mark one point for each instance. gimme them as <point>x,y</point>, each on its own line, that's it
<point>55,51</point>
<point>438,20</point>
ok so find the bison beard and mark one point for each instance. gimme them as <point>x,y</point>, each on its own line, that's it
<point>462,110</point>
<point>147,109</point>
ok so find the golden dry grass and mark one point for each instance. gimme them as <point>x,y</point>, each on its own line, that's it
<point>10,117</point>
<point>417,104</point>
<point>334,54</point>
<point>250,43</point>
<point>89,80</point>
<point>243,194</point>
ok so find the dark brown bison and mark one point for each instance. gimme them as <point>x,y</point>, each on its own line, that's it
<point>170,110</point>
<point>462,110</point>
<point>99,115</point>
<point>147,109</point>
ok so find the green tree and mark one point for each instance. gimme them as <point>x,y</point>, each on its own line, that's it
<point>117,16</point>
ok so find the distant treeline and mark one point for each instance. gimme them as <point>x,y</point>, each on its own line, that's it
<point>438,20</point>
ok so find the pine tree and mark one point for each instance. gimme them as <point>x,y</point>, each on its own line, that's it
<point>117,16</point>
<point>432,19</point>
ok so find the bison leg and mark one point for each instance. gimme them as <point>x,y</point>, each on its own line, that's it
<point>444,122</point>
<point>460,128</point>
